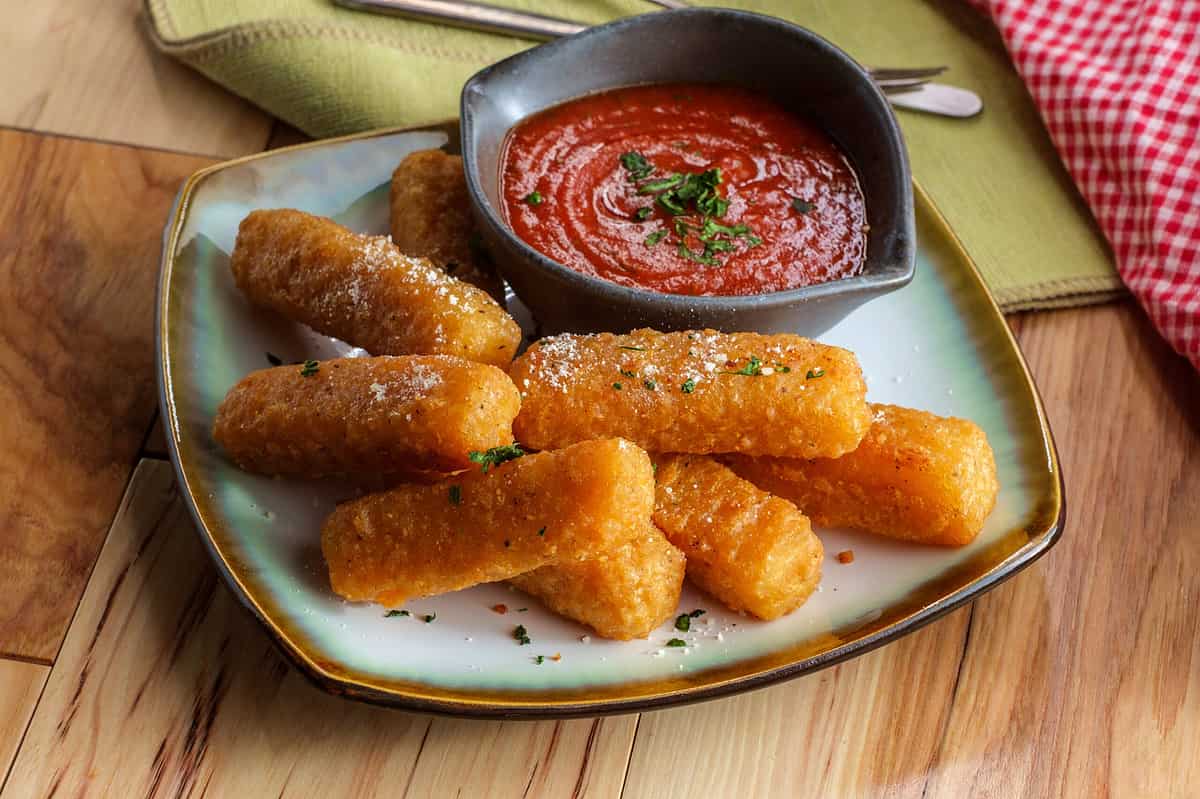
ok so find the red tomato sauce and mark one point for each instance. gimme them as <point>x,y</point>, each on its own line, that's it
<point>792,213</point>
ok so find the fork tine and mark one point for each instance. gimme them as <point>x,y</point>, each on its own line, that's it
<point>898,85</point>
<point>901,73</point>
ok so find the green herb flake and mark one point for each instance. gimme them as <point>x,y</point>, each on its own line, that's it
<point>428,617</point>
<point>649,384</point>
<point>522,610</point>
<point>643,213</point>
<point>813,374</point>
<point>688,386</point>
<point>626,373</point>
<point>683,622</point>
<point>677,642</point>
<point>630,347</point>
<point>540,659</point>
<point>697,613</point>
<point>455,495</point>
<point>753,368</point>
<point>662,184</point>
<point>496,455</point>
<point>521,635</point>
<point>533,198</point>
<point>310,368</point>
<point>636,165</point>
<point>274,360</point>
<point>393,613</point>
<point>617,386</point>
<point>655,237</point>
<point>801,205</point>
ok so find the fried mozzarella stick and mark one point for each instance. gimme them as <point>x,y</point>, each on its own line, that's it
<point>431,218</point>
<point>383,415</point>
<point>698,391</point>
<point>915,476</point>
<point>622,594</point>
<point>362,290</point>
<point>753,551</point>
<point>421,540</point>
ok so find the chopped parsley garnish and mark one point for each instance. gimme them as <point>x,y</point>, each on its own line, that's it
<point>636,165</point>
<point>661,185</point>
<point>688,386</point>
<point>521,635</point>
<point>540,659</point>
<point>677,642</point>
<point>274,360</point>
<point>310,368</point>
<point>801,205</point>
<point>533,198</point>
<point>617,386</point>
<point>522,610</point>
<point>814,373</point>
<point>630,347</point>
<point>542,533</point>
<point>683,622</point>
<point>496,455</point>
<point>455,495</point>
<point>626,373</point>
<point>697,613</point>
<point>688,194</point>
<point>649,384</point>
<point>643,213</point>
<point>428,617</point>
<point>393,613</point>
<point>752,369</point>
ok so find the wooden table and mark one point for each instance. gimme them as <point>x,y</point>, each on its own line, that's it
<point>127,669</point>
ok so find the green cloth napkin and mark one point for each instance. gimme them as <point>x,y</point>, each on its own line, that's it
<point>996,178</point>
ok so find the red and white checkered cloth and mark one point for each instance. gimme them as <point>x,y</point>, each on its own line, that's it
<point>1118,85</point>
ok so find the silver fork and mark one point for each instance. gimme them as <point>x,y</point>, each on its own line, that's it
<point>904,87</point>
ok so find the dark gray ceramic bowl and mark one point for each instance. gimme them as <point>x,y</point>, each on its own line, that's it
<point>794,66</point>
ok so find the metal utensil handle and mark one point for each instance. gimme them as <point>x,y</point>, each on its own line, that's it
<point>476,16</point>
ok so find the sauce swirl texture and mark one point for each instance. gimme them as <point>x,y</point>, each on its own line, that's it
<point>608,185</point>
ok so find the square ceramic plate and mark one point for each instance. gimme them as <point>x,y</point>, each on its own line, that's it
<point>938,344</point>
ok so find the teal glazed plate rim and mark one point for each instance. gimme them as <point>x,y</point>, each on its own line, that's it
<point>940,344</point>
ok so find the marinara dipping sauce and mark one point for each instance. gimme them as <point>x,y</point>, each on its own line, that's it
<point>685,189</point>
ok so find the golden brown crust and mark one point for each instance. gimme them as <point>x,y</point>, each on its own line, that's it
<point>753,551</point>
<point>368,416</point>
<point>362,290</point>
<point>431,218</point>
<point>422,540</point>
<point>679,392</point>
<point>623,594</point>
<point>915,476</point>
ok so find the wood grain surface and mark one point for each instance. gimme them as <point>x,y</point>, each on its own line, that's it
<point>88,69</point>
<point>1078,678</point>
<point>20,685</point>
<point>167,687</point>
<point>80,235</point>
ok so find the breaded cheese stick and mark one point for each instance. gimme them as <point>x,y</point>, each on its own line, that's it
<point>383,415</point>
<point>753,551</point>
<point>622,594</point>
<point>431,218</point>
<point>692,391</point>
<point>421,540</point>
<point>362,290</point>
<point>915,476</point>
